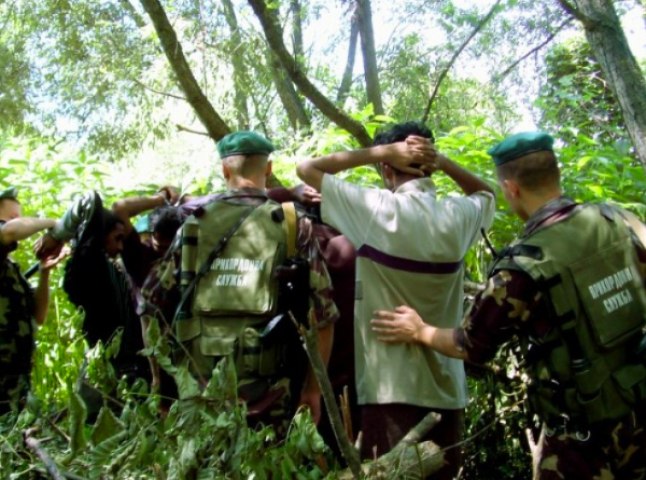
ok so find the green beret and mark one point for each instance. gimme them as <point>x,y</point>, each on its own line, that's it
<point>520,145</point>
<point>10,193</point>
<point>244,143</point>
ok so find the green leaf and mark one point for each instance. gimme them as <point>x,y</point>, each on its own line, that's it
<point>106,426</point>
<point>78,414</point>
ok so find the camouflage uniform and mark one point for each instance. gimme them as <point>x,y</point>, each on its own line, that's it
<point>17,325</point>
<point>512,305</point>
<point>161,296</point>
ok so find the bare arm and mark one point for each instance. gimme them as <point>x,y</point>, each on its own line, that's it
<point>127,208</point>
<point>21,228</point>
<point>467,181</point>
<point>415,150</point>
<point>404,325</point>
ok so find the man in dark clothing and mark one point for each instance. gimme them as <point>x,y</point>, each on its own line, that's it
<point>95,282</point>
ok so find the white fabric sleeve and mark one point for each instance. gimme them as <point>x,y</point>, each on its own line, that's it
<point>472,213</point>
<point>349,208</point>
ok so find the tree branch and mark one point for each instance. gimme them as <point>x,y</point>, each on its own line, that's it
<point>158,92</point>
<point>457,53</point>
<point>573,11</point>
<point>498,78</point>
<point>297,27</point>
<point>34,445</point>
<point>128,7</point>
<point>346,80</point>
<point>369,54</point>
<point>273,33</point>
<point>320,371</point>
<point>182,128</point>
<point>204,110</point>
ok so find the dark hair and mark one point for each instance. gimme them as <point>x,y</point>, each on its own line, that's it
<point>534,172</point>
<point>165,221</point>
<point>110,221</point>
<point>401,131</point>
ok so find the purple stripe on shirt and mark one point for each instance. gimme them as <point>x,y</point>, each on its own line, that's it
<point>413,266</point>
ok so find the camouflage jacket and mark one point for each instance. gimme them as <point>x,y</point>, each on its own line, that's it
<point>161,289</point>
<point>512,302</point>
<point>16,317</point>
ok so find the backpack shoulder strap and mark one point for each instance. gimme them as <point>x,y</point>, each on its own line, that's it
<point>289,210</point>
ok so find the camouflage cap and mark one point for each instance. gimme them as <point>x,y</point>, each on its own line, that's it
<point>10,193</point>
<point>244,143</point>
<point>520,145</point>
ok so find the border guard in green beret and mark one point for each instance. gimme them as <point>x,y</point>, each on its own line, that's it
<point>244,262</point>
<point>21,308</point>
<point>571,288</point>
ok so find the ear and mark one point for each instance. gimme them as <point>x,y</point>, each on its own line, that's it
<point>225,171</point>
<point>512,187</point>
<point>268,169</point>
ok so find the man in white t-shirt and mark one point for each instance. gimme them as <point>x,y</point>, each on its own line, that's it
<point>410,251</point>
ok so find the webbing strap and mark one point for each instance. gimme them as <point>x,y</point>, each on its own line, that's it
<point>289,209</point>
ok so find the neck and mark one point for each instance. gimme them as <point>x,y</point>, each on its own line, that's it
<point>534,202</point>
<point>242,182</point>
<point>401,179</point>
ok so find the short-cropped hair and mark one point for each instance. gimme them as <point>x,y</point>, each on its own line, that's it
<point>109,221</point>
<point>165,221</point>
<point>534,172</point>
<point>401,131</point>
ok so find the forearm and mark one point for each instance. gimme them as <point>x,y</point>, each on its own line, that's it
<point>21,228</point>
<point>311,171</point>
<point>467,181</point>
<point>130,207</point>
<point>441,340</point>
<point>325,341</point>
<point>42,297</point>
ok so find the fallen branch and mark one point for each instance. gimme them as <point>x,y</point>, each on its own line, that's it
<point>409,459</point>
<point>34,445</point>
<point>320,370</point>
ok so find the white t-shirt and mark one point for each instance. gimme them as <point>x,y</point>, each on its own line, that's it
<point>410,251</point>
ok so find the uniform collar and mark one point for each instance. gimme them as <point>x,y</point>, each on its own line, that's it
<point>547,211</point>
<point>418,185</point>
<point>245,192</point>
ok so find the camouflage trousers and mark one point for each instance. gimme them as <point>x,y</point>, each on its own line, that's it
<point>610,451</point>
<point>13,391</point>
<point>268,403</point>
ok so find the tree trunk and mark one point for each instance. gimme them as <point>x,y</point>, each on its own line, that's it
<point>346,80</point>
<point>292,103</point>
<point>240,81</point>
<point>273,33</point>
<point>369,53</point>
<point>213,123</point>
<point>621,70</point>
<point>297,27</point>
